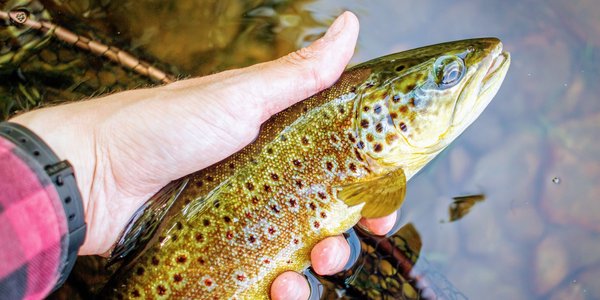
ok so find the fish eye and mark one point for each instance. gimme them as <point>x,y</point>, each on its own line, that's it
<point>448,70</point>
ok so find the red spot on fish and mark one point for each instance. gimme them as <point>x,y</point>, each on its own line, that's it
<point>255,200</point>
<point>323,215</point>
<point>251,239</point>
<point>249,186</point>
<point>201,260</point>
<point>377,147</point>
<point>241,277</point>
<point>364,123</point>
<point>293,203</point>
<point>248,215</point>
<point>296,241</point>
<point>177,278</point>
<point>317,224</point>
<point>352,167</point>
<point>351,138</point>
<point>274,176</point>
<point>299,183</point>
<point>322,195</point>
<point>267,261</point>
<point>208,282</point>
<point>181,259</point>
<point>403,126</point>
<point>271,230</point>
<point>312,206</point>
<point>229,235</point>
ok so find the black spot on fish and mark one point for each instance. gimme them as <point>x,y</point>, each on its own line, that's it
<point>341,110</point>
<point>250,186</point>
<point>352,167</point>
<point>199,237</point>
<point>210,178</point>
<point>322,195</point>
<point>304,140</point>
<point>201,260</point>
<point>274,176</point>
<point>366,108</point>
<point>135,294</point>
<point>351,138</point>
<point>403,126</point>
<point>379,127</point>
<point>177,278</point>
<point>293,203</point>
<point>312,206</point>
<point>360,145</point>
<point>299,183</point>
<point>155,260</point>
<point>206,222</point>
<point>329,165</point>
<point>199,183</point>
<point>275,209</point>
<point>396,98</point>
<point>323,215</point>
<point>181,259</point>
<point>269,151</point>
<point>283,138</point>
<point>254,200</point>
<point>377,147</point>
<point>140,271</point>
<point>297,163</point>
<point>251,239</point>
<point>377,109</point>
<point>267,188</point>
<point>231,166</point>
<point>161,290</point>
<point>179,226</point>
<point>271,230</point>
<point>217,204</point>
<point>227,219</point>
<point>364,123</point>
<point>400,68</point>
<point>174,237</point>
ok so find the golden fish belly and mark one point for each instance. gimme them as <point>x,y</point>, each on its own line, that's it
<point>261,211</point>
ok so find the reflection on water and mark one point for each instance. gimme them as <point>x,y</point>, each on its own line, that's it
<point>533,153</point>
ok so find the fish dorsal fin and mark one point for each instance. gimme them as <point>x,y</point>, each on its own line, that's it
<point>146,220</point>
<point>382,194</point>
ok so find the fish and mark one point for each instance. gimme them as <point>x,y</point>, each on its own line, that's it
<point>316,168</point>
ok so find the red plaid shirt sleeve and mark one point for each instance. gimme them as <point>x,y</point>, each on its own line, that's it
<point>33,227</point>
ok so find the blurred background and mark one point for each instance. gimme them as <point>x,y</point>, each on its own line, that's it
<point>531,159</point>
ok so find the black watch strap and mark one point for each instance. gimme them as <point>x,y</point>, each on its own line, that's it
<point>63,178</point>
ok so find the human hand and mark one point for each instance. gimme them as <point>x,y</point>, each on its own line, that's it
<point>125,147</point>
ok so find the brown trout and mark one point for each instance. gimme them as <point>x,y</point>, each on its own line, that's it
<point>312,172</point>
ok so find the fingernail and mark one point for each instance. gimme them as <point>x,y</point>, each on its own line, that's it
<point>339,261</point>
<point>336,27</point>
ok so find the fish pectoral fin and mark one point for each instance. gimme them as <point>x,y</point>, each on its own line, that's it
<point>382,194</point>
<point>146,220</point>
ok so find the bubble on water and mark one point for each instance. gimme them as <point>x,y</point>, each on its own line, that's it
<point>556,180</point>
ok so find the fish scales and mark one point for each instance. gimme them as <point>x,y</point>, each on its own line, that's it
<point>280,194</point>
<point>241,222</point>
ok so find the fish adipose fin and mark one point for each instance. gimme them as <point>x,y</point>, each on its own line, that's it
<point>145,222</point>
<point>382,194</point>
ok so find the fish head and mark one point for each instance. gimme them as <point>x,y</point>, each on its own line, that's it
<point>415,103</point>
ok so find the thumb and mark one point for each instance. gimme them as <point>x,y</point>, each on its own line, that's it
<point>265,89</point>
<point>305,72</point>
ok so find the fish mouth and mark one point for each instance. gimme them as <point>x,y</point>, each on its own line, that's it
<point>496,71</point>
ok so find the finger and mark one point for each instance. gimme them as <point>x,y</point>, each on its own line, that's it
<point>330,255</point>
<point>379,226</point>
<point>290,285</point>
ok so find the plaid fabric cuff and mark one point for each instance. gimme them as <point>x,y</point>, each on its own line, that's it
<point>33,227</point>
